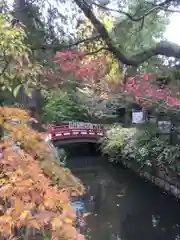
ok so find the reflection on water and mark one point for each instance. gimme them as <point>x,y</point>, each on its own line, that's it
<point>125,207</point>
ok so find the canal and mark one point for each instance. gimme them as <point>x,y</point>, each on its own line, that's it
<point>123,206</point>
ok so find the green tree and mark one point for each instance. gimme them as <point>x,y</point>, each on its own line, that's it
<point>145,9</point>
<point>16,67</point>
<point>138,12</point>
<point>61,106</point>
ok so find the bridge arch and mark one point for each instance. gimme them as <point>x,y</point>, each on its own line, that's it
<point>80,141</point>
<point>76,132</point>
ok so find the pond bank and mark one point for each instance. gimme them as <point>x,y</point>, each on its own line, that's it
<point>164,182</point>
<point>169,183</point>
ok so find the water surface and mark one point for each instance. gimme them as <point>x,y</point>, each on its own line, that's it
<point>128,208</point>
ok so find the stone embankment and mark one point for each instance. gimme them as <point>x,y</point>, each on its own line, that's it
<point>168,182</point>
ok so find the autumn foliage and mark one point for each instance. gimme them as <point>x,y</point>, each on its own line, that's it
<point>87,68</point>
<point>91,70</point>
<point>82,65</point>
<point>34,189</point>
<point>141,86</point>
<point>146,92</point>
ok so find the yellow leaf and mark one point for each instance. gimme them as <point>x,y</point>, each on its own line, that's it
<point>65,205</point>
<point>3,180</point>
<point>68,220</point>
<point>49,203</point>
<point>41,207</point>
<point>56,223</point>
<point>24,214</point>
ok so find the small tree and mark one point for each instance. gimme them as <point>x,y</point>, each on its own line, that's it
<point>27,195</point>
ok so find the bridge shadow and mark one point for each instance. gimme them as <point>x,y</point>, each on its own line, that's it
<point>82,155</point>
<point>82,149</point>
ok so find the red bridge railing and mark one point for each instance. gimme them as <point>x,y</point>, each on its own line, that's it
<point>75,130</point>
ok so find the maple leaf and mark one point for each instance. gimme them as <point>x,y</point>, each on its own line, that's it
<point>24,215</point>
<point>56,223</point>
<point>6,225</point>
<point>6,190</point>
<point>34,223</point>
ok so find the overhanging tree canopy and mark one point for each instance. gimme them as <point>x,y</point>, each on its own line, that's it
<point>146,9</point>
<point>162,48</point>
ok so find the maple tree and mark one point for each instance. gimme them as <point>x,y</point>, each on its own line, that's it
<point>141,86</point>
<point>92,71</point>
<point>34,190</point>
<point>92,74</point>
<point>146,92</point>
<point>81,64</point>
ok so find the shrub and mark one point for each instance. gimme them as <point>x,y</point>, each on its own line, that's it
<point>119,142</point>
<point>142,145</point>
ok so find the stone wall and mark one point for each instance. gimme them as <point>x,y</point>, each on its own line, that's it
<point>168,184</point>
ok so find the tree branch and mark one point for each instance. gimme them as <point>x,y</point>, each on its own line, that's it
<point>160,6</point>
<point>162,48</point>
<point>132,18</point>
<point>86,40</point>
<point>58,47</point>
<point>96,51</point>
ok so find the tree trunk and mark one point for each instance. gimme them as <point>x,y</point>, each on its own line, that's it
<point>20,13</point>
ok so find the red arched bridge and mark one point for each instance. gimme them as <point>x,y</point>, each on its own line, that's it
<point>74,132</point>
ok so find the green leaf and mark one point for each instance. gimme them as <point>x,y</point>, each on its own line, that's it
<point>28,91</point>
<point>16,90</point>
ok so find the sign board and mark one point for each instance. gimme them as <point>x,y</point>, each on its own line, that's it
<point>164,126</point>
<point>76,125</point>
<point>137,117</point>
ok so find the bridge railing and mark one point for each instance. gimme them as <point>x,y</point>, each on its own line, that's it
<point>76,130</point>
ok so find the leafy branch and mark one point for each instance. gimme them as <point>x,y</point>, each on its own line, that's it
<point>162,48</point>
<point>59,46</point>
<point>162,6</point>
<point>7,62</point>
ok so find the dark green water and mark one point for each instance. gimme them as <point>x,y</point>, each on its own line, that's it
<point>125,207</point>
<point>128,208</point>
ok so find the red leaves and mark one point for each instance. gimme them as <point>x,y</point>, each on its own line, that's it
<point>143,89</point>
<point>86,68</point>
<point>81,65</point>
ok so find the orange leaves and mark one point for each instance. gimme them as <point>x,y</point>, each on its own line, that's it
<point>17,208</point>
<point>26,173</point>
<point>8,113</point>
<point>49,203</point>
<point>6,190</point>
<point>6,224</point>
<point>64,196</point>
<point>66,232</point>
<point>56,223</point>
<point>24,215</point>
